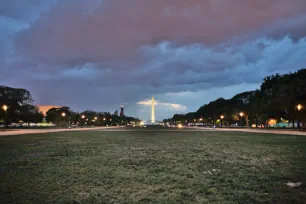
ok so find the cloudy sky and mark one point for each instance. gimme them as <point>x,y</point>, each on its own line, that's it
<point>97,54</point>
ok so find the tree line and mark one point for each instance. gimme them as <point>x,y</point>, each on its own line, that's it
<point>17,106</point>
<point>280,97</point>
<point>65,117</point>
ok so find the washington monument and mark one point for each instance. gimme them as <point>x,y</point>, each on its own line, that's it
<point>153,111</point>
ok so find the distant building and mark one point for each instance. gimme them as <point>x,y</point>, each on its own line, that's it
<point>44,108</point>
<point>121,111</point>
<point>116,113</point>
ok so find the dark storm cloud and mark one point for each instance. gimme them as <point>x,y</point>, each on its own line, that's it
<point>124,51</point>
<point>24,10</point>
<point>74,32</point>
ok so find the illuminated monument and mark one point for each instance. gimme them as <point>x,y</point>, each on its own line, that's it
<point>153,111</point>
<point>153,121</point>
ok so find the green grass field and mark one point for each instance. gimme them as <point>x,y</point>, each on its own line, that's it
<point>152,167</point>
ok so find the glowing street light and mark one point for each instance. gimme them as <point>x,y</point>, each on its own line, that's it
<point>201,119</point>
<point>105,119</point>
<point>221,117</point>
<point>241,114</point>
<point>63,114</point>
<point>5,107</point>
<point>83,116</point>
<point>299,107</point>
<point>96,118</point>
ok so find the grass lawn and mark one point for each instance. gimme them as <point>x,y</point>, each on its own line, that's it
<point>152,167</point>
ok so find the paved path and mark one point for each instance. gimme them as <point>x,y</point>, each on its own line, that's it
<point>38,131</point>
<point>196,129</point>
<point>268,131</point>
<point>155,130</point>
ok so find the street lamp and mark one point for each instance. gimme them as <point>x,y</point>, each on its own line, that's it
<point>299,108</point>
<point>241,114</point>
<point>222,117</point>
<point>5,107</point>
<point>83,117</point>
<point>64,115</point>
<point>96,118</point>
<point>201,120</point>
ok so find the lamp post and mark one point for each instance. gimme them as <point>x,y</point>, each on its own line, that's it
<point>83,118</point>
<point>201,122</point>
<point>5,107</point>
<point>299,108</point>
<point>222,117</point>
<point>201,119</point>
<point>241,114</point>
<point>104,121</point>
<point>64,115</point>
<point>95,119</point>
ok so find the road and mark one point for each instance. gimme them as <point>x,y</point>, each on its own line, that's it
<point>38,131</point>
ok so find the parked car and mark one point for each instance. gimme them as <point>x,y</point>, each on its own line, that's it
<point>75,126</point>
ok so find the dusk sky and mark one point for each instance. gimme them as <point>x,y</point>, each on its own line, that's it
<point>98,54</point>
